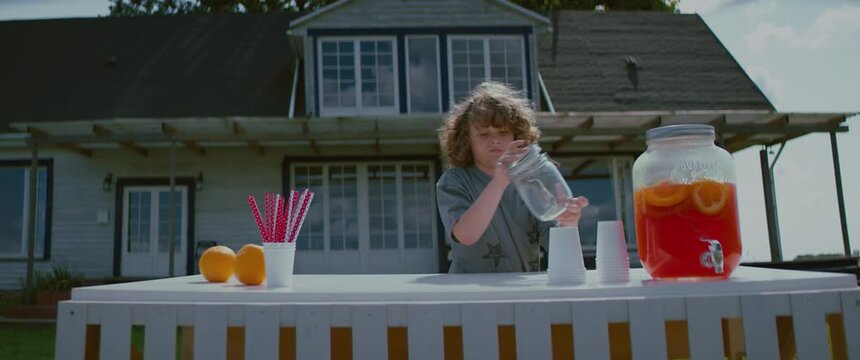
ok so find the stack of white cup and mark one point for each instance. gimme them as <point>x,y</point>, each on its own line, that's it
<point>612,263</point>
<point>566,266</point>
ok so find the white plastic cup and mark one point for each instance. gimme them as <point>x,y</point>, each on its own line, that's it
<point>612,262</point>
<point>565,266</point>
<point>279,258</point>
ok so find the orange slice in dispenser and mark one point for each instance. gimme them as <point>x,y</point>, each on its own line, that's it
<point>665,194</point>
<point>710,197</point>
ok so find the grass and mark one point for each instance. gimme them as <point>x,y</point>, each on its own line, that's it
<point>27,341</point>
<point>36,341</point>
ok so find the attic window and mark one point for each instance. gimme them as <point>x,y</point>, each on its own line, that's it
<point>358,76</point>
<point>475,59</point>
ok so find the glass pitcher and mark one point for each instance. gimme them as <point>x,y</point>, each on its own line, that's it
<point>685,205</point>
<point>540,184</point>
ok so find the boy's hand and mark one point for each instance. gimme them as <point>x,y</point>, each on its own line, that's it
<point>513,152</point>
<point>570,216</point>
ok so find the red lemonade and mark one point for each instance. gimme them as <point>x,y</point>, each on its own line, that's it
<point>679,227</point>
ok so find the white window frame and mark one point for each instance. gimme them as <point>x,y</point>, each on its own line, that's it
<point>364,201</point>
<point>25,223</point>
<point>358,109</point>
<point>486,41</point>
<point>438,73</point>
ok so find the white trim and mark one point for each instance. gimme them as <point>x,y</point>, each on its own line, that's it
<point>516,8</point>
<point>525,12</point>
<point>438,73</point>
<point>359,109</point>
<point>317,13</point>
<point>545,94</point>
<point>293,90</point>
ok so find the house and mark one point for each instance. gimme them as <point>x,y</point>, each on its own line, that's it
<point>344,101</point>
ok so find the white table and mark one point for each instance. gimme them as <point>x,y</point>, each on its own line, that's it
<point>424,304</point>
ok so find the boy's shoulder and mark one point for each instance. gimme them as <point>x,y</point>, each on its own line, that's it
<point>454,175</point>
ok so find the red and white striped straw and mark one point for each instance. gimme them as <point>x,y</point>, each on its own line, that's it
<point>307,196</point>
<point>270,212</point>
<point>276,211</point>
<point>293,209</point>
<point>256,212</point>
<point>280,220</point>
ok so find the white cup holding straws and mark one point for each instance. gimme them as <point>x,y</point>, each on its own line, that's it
<point>279,257</point>
<point>283,221</point>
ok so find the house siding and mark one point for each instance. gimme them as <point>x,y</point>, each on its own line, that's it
<point>418,13</point>
<point>221,210</point>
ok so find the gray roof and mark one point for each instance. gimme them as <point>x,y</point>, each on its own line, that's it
<point>145,67</point>
<point>677,63</point>
<point>242,65</point>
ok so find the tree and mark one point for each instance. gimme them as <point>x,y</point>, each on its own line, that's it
<point>549,5</point>
<point>176,7</point>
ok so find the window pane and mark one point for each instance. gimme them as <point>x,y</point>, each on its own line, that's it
<point>417,206</point>
<point>377,73</point>
<point>423,76</point>
<point>14,192</point>
<point>310,236</point>
<point>506,61</point>
<point>338,74</point>
<point>12,210</point>
<point>343,207</point>
<point>382,201</point>
<point>164,221</point>
<point>467,60</point>
<point>139,210</point>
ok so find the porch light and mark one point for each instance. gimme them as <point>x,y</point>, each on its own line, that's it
<point>107,182</point>
<point>198,183</point>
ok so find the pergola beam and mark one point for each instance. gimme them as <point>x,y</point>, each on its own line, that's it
<point>580,167</point>
<point>254,145</point>
<point>656,121</point>
<point>567,138</point>
<point>43,137</point>
<point>415,134</point>
<point>171,131</point>
<point>101,131</point>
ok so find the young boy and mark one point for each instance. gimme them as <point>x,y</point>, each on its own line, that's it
<point>488,226</point>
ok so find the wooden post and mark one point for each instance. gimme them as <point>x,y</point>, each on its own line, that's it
<point>32,206</point>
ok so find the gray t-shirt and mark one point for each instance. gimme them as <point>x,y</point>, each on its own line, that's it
<point>511,241</point>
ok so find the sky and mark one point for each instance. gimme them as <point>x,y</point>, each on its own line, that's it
<point>802,54</point>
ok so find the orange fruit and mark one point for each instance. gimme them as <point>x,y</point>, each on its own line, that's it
<point>665,194</point>
<point>216,263</point>
<point>250,265</point>
<point>709,196</point>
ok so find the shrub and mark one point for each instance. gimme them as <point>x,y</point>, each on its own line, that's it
<point>59,278</point>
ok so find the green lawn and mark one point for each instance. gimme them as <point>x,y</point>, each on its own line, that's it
<point>36,341</point>
<point>26,341</point>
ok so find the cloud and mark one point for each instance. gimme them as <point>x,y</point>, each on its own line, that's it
<point>707,6</point>
<point>828,28</point>
<point>772,86</point>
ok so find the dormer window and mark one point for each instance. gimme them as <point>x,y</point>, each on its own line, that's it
<point>358,76</point>
<point>475,59</point>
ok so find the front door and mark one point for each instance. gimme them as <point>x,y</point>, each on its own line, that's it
<point>146,229</point>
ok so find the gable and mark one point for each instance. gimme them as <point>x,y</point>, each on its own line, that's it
<point>418,13</point>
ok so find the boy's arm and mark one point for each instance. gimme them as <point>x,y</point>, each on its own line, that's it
<point>472,224</point>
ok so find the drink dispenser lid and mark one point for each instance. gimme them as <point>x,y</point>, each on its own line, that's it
<point>679,130</point>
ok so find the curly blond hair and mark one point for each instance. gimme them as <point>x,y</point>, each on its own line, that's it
<point>490,104</point>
